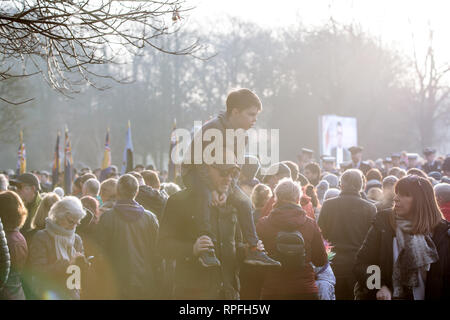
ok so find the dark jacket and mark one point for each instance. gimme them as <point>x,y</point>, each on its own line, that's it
<point>344,222</point>
<point>31,208</point>
<point>290,217</point>
<point>126,236</point>
<point>152,200</point>
<point>377,249</point>
<point>49,274</point>
<point>18,251</point>
<point>436,165</point>
<point>5,262</point>
<point>220,123</point>
<point>177,238</point>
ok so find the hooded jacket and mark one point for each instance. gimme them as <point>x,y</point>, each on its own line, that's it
<point>126,236</point>
<point>291,217</point>
<point>152,200</point>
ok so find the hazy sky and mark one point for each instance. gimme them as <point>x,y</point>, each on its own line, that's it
<point>393,21</point>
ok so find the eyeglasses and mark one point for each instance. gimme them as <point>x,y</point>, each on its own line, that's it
<point>72,222</point>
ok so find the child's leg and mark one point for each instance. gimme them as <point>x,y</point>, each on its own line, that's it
<point>245,216</point>
<point>243,205</point>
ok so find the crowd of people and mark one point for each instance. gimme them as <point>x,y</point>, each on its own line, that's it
<point>298,230</point>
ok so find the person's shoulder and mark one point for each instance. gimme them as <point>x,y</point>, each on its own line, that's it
<point>182,195</point>
<point>368,204</point>
<point>150,215</point>
<point>215,123</point>
<point>40,236</point>
<point>443,227</point>
<point>383,217</point>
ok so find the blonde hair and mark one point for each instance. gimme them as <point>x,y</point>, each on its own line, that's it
<point>288,191</point>
<point>260,195</point>
<point>108,189</point>
<point>375,194</point>
<point>42,212</point>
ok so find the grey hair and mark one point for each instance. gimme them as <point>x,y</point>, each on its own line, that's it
<point>170,187</point>
<point>352,181</point>
<point>442,191</point>
<point>69,206</point>
<point>127,187</point>
<point>389,181</point>
<point>59,191</point>
<point>288,190</point>
<point>331,193</point>
<point>332,180</point>
<point>92,187</point>
<point>322,187</point>
<point>3,183</point>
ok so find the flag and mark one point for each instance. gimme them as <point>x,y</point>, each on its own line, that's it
<point>127,163</point>
<point>107,153</point>
<point>56,164</point>
<point>68,164</point>
<point>172,167</point>
<point>21,157</point>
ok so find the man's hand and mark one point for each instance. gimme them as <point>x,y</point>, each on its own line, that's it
<point>214,198</point>
<point>218,199</point>
<point>384,294</point>
<point>203,243</point>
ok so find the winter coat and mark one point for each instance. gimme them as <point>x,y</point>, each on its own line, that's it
<point>377,249</point>
<point>5,260</point>
<point>291,217</point>
<point>152,200</point>
<point>108,205</point>
<point>126,236</point>
<point>220,123</point>
<point>49,277</point>
<point>177,237</point>
<point>325,281</point>
<point>344,222</point>
<point>18,250</point>
<point>445,209</point>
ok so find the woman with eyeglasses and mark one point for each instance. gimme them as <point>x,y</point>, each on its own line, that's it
<point>406,253</point>
<point>55,248</point>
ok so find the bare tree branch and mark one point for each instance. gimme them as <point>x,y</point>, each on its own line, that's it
<point>64,39</point>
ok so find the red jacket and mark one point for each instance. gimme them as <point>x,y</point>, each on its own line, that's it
<point>290,217</point>
<point>445,209</point>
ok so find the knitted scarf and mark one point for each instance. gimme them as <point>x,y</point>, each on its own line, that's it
<point>64,240</point>
<point>416,252</point>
